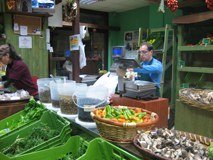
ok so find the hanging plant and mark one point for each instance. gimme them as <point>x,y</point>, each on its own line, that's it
<point>70,10</point>
<point>161,7</point>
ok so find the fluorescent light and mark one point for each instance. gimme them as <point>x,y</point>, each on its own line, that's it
<point>88,2</point>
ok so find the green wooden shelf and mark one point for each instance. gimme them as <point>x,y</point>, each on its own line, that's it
<point>186,53</point>
<point>195,69</point>
<point>196,48</point>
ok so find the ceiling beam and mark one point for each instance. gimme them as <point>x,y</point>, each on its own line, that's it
<point>193,18</point>
<point>96,26</point>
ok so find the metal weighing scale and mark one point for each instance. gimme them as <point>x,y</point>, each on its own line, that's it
<point>134,89</point>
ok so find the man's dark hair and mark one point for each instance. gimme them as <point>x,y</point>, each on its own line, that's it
<point>149,46</point>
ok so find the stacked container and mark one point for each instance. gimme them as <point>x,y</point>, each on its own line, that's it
<point>89,98</point>
<point>66,91</point>
<point>44,90</point>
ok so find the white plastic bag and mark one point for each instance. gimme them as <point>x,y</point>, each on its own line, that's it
<point>108,80</point>
<point>82,57</point>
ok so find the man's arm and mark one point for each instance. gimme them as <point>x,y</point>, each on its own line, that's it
<point>154,68</point>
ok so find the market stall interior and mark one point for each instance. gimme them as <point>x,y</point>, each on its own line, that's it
<point>77,122</point>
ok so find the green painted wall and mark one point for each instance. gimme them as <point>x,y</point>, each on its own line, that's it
<point>127,21</point>
<point>144,17</point>
<point>35,58</point>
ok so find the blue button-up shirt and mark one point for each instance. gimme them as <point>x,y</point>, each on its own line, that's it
<point>154,70</point>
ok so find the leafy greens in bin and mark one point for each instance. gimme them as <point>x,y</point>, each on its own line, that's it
<point>33,111</point>
<point>37,136</point>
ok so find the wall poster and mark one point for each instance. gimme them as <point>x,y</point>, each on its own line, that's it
<point>130,42</point>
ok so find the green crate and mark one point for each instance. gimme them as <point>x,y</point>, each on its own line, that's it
<point>16,116</point>
<point>102,149</point>
<point>158,40</point>
<point>54,153</point>
<point>50,118</point>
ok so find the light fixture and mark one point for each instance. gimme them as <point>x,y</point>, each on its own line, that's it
<point>88,2</point>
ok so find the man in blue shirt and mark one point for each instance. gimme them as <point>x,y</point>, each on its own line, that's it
<point>152,68</point>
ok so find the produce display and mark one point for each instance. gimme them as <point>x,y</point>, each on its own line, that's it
<point>44,95</point>
<point>211,151</point>
<point>33,111</point>
<point>151,41</point>
<point>67,105</point>
<point>123,114</point>
<point>172,5</point>
<point>166,144</point>
<point>37,136</point>
<point>18,95</point>
<point>204,96</point>
<point>209,4</point>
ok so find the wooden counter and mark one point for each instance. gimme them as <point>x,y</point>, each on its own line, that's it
<point>8,109</point>
<point>159,106</point>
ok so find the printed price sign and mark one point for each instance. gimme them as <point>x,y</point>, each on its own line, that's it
<point>181,63</point>
<point>206,40</point>
<point>185,85</point>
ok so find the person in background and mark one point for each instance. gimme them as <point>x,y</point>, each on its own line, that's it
<point>17,72</point>
<point>152,68</point>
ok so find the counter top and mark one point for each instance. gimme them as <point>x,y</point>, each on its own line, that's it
<point>90,133</point>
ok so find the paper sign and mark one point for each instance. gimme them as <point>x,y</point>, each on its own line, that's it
<point>48,35</point>
<point>74,42</point>
<point>25,42</point>
<point>185,85</point>
<point>51,49</point>
<point>88,108</point>
<point>181,63</point>
<point>23,30</point>
<point>48,46</point>
<point>15,27</point>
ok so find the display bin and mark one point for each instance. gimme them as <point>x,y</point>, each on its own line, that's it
<point>158,39</point>
<point>71,147</point>
<point>198,79</point>
<point>14,117</point>
<point>50,118</point>
<point>101,149</point>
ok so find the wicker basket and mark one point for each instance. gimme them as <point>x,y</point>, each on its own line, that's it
<point>148,155</point>
<point>121,132</point>
<point>184,96</point>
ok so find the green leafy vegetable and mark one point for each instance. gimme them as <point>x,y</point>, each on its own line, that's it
<point>37,136</point>
<point>211,151</point>
<point>33,111</point>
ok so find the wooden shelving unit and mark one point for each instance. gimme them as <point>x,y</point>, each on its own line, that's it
<point>187,53</point>
<point>29,13</point>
